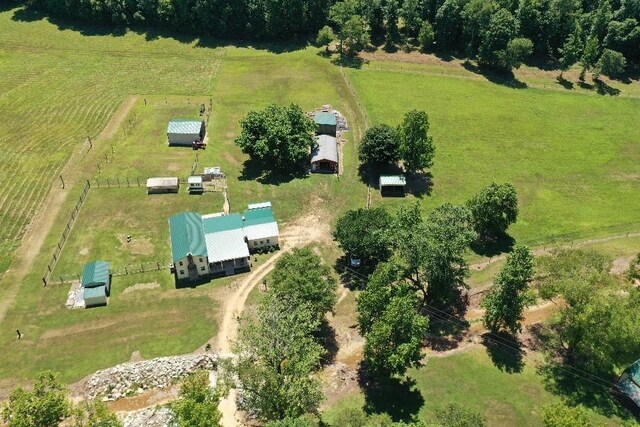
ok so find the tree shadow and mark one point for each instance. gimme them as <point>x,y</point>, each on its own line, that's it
<point>326,336</point>
<point>602,88</point>
<point>492,247</point>
<point>185,283</point>
<point>349,61</point>
<point>254,170</point>
<point>420,184</point>
<point>399,398</point>
<point>564,83</point>
<point>447,326</point>
<point>503,78</point>
<point>591,389</point>
<point>348,277</point>
<point>543,62</point>
<point>505,351</point>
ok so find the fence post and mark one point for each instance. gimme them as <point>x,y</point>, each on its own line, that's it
<point>118,179</point>
<point>125,270</point>
<point>108,183</point>
<point>158,264</point>
<point>61,281</point>
<point>138,179</point>
<point>44,281</point>
<point>141,267</point>
<point>128,182</point>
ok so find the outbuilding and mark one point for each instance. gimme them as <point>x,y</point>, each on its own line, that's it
<point>261,228</point>
<point>324,157</point>
<point>392,185</point>
<point>195,184</point>
<point>96,283</point>
<point>163,185</point>
<point>211,173</point>
<point>629,383</point>
<point>184,132</point>
<point>327,123</point>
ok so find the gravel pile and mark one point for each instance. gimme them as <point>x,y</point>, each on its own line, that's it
<point>150,417</point>
<point>133,378</point>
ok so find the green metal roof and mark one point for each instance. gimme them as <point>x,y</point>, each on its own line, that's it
<point>187,235</point>
<point>392,180</point>
<point>629,382</point>
<point>222,223</point>
<point>326,119</point>
<point>98,291</point>
<point>258,216</point>
<point>184,126</point>
<point>95,274</point>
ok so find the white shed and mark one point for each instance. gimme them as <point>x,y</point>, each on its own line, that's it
<point>185,132</point>
<point>392,185</point>
<point>195,184</point>
<point>163,185</point>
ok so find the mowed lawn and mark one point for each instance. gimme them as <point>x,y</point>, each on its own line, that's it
<point>573,158</point>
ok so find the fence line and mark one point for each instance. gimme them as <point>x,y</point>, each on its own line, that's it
<point>65,234</point>
<point>127,270</point>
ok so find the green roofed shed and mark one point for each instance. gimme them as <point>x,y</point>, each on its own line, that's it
<point>629,382</point>
<point>97,273</point>
<point>187,236</point>
<point>95,296</point>
<point>327,123</point>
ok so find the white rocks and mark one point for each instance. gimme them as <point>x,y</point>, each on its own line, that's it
<point>133,378</point>
<point>150,417</point>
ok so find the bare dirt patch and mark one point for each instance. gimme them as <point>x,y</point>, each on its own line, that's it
<point>138,245</point>
<point>174,167</point>
<point>84,251</point>
<point>232,160</point>
<point>141,287</point>
<point>621,265</point>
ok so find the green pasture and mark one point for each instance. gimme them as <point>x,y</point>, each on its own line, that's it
<point>470,379</point>
<point>572,157</point>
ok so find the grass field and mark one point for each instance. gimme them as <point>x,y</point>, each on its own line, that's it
<point>58,86</point>
<point>572,157</point>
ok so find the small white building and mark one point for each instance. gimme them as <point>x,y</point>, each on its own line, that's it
<point>185,132</point>
<point>211,173</point>
<point>392,185</point>
<point>324,157</point>
<point>195,184</point>
<point>163,185</point>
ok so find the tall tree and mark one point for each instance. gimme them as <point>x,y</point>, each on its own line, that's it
<point>416,145</point>
<point>353,30</point>
<point>572,49</point>
<point>411,14</point>
<point>448,24</point>
<point>590,55</point>
<point>477,17</point>
<point>611,63</point>
<point>45,406</point>
<point>300,277</point>
<point>508,297</point>
<point>379,147</point>
<point>494,208</point>
<point>365,233</point>
<point>426,37</point>
<point>500,48</point>
<point>198,403</point>
<point>391,21</point>
<point>325,37</point>
<point>279,137</point>
<point>277,356</point>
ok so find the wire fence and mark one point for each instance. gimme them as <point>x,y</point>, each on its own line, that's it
<point>65,234</point>
<point>126,270</point>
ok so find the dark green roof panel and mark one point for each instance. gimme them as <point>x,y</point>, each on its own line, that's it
<point>258,216</point>
<point>96,274</point>
<point>99,291</point>
<point>326,119</point>
<point>187,235</point>
<point>222,223</point>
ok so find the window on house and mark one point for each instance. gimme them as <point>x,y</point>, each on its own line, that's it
<point>200,259</point>
<point>267,240</point>
<point>180,263</point>
<point>181,271</point>
<point>261,242</point>
<point>201,268</point>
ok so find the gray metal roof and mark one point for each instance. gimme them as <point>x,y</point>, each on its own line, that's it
<point>392,180</point>
<point>194,180</point>
<point>261,231</point>
<point>162,182</point>
<point>226,245</point>
<point>187,127</point>
<point>327,149</point>
<point>259,205</point>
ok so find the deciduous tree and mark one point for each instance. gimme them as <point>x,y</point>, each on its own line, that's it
<point>279,137</point>
<point>426,37</point>
<point>454,415</point>
<point>365,233</point>
<point>325,37</point>
<point>379,147</point>
<point>611,63</point>
<point>198,403</point>
<point>416,145</point>
<point>508,297</point>
<point>560,415</point>
<point>494,208</point>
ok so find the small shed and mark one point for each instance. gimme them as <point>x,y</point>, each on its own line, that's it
<point>195,184</point>
<point>260,227</point>
<point>185,132</point>
<point>629,382</point>
<point>324,157</point>
<point>163,185</point>
<point>260,205</point>
<point>97,274</point>
<point>327,123</point>
<point>392,185</point>
<point>212,173</point>
<point>94,297</point>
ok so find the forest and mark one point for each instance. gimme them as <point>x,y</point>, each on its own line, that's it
<point>599,35</point>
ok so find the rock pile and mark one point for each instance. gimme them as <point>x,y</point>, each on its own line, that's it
<point>150,417</point>
<point>133,378</point>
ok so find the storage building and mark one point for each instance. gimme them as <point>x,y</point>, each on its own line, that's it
<point>195,185</point>
<point>327,123</point>
<point>94,297</point>
<point>163,185</point>
<point>188,246</point>
<point>212,173</point>
<point>185,132</point>
<point>96,283</point>
<point>324,157</point>
<point>392,185</point>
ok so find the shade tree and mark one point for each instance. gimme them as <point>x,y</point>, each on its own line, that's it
<point>494,209</point>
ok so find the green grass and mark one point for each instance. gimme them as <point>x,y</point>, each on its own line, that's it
<point>572,157</point>
<point>57,86</point>
<point>469,379</point>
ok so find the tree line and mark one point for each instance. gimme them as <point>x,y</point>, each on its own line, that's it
<point>599,35</point>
